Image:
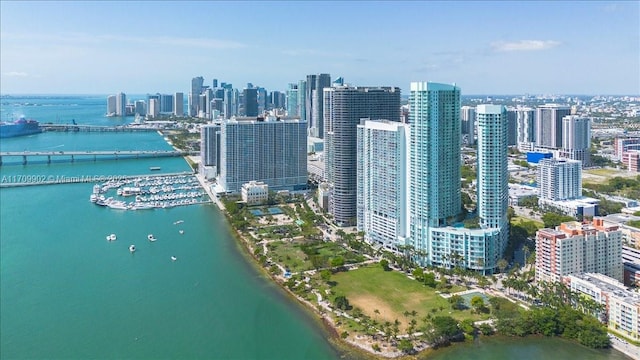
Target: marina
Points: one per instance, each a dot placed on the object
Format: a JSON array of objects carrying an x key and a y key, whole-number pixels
[{"x": 157, "y": 192}]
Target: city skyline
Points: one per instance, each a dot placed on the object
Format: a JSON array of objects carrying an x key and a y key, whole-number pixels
[{"x": 585, "y": 48}]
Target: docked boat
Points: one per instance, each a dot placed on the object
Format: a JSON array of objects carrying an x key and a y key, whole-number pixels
[
  {"x": 151, "y": 237},
  {"x": 132, "y": 248},
  {"x": 154, "y": 168},
  {"x": 111, "y": 237}
]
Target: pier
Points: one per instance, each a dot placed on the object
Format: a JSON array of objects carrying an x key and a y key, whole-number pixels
[
  {"x": 89, "y": 155},
  {"x": 93, "y": 128}
]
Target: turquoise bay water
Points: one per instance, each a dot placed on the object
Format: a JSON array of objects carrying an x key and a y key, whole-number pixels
[{"x": 67, "y": 293}]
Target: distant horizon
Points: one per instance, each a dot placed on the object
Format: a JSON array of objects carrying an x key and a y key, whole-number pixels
[{"x": 402, "y": 94}]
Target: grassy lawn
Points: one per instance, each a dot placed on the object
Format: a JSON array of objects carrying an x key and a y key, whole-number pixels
[
  {"x": 392, "y": 293},
  {"x": 289, "y": 255},
  {"x": 518, "y": 219}
]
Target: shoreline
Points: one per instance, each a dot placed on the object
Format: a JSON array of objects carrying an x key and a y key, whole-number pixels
[{"x": 361, "y": 345}]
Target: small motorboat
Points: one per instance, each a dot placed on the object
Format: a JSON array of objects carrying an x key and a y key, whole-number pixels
[
  {"x": 111, "y": 237},
  {"x": 151, "y": 237},
  {"x": 181, "y": 232},
  {"x": 132, "y": 248},
  {"x": 173, "y": 258}
]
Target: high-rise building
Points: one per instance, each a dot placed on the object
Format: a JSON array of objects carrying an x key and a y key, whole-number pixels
[
  {"x": 493, "y": 174},
  {"x": 111, "y": 105},
  {"x": 576, "y": 139},
  {"x": 262, "y": 98},
  {"x": 434, "y": 115},
  {"x": 548, "y": 125},
  {"x": 166, "y": 103},
  {"x": 154, "y": 108},
  {"x": 292, "y": 100},
  {"x": 140, "y": 108},
  {"x": 344, "y": 106},
  {"x": 302, "y": 102},
  {"x": 250, "y": 102},
  {"x": 383, "y": 182},
  {"x": 468, "y": 126},
  {"x": 559, "y": 179},
  {"x": 178, "y": 104},
  {"x": 435, "y": 203},
  {"x": 269, "y": 150},
  {"x": 121, "y": 104},
  {"x": 194, "y": 95},
  {"x": 575, "y": 247},
  {"x": 525, "y": 118},
  {"x": 512, "y": 132},
  {"x": 210, "y": 147},
  {"x": 314, "y": 103}
]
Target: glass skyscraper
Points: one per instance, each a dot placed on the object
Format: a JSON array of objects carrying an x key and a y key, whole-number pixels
[
  {"x": 435, "y": 202},
  {"x": 344, "y": 106}
]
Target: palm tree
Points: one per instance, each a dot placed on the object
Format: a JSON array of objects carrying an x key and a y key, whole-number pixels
[{"x": 502, "y": 264}]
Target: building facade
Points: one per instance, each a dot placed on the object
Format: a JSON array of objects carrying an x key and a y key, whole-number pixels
[
  {"x": 493, "y": 177},
  {"x": 121, "y": 104},
  {"x": 255, "y": 193},
  {"x": 575, "y": 247},
  {"x": 435, "y": 204},
  {"x": 468, "y": 125},
  {"x": 576, "y": 139},
  {"x": 525, "y": 137},
  {"x": 344, "y": 106},
  {"x": 548, "y": 125},
  {"x": 178, "y": 104},
  {"x": 621, "y": 306},
  {"x": 383, "y": 182},
  {"x": 269, "y": 149},
  {"x": 559, "y": 179}
]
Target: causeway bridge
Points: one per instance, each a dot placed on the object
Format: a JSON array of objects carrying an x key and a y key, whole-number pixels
[
  {"x": 93, "y": 128},
  {"x": 87, "y": 155}
]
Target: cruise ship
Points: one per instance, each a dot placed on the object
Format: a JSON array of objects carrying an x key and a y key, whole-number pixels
[{"x": 19, "y": 127}]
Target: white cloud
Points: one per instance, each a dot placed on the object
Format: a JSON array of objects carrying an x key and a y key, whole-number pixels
[
  {"x": 524, "y": 45},
  {"x": 15, "y": 74}
]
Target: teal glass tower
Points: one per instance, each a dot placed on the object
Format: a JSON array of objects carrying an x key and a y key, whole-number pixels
[
  {"x": 435, "y": 206},
  {"x": 434, "y": 115}
]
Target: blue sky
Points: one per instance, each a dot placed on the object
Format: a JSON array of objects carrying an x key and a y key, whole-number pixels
[{"x": 498, "y": 47}]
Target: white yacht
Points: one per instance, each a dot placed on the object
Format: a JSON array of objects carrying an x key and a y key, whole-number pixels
[
  {"x": 151, "y": 237},
  {"x": 111, "y": 237},
  {"x": 173, "y": 258},
  {"x": 132, "y": 248},
  {"x": 181, "y": 232}
]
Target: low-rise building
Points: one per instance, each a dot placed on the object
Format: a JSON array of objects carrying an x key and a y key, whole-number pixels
[
  {"x": 518, "y": 192},
  {"x": 621, "y": 306},
  {"x": 255, "y": 192},
  {"x": 575, "y": 247}
]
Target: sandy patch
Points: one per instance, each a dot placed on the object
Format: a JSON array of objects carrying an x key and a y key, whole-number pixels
[{"x": 369, "y": 304}]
